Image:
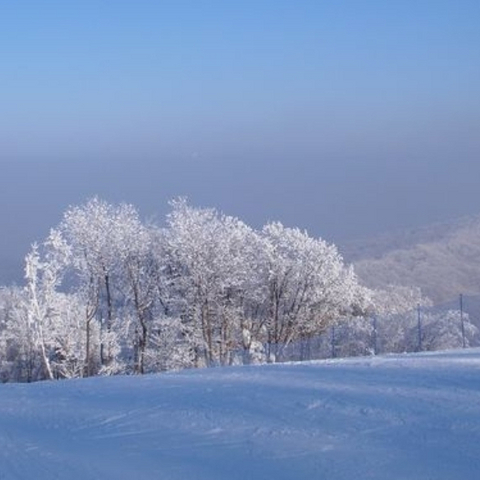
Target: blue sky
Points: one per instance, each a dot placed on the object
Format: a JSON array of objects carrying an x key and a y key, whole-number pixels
[{"x": 343, "y": 117}]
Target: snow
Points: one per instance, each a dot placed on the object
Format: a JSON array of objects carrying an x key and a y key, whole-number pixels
[{"x": 413, "y": 416}]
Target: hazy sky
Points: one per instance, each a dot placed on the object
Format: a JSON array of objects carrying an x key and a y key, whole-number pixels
[{"x": 343, "y": 117}]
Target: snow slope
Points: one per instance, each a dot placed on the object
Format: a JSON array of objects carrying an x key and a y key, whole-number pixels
[{"x": 396, "y": 417}]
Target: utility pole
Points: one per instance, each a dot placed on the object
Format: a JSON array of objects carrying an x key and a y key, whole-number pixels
[
  {"x": 333, "y": 341},
  {"x": 419, "y": 325},
  {"x": 462, "y": 322}
]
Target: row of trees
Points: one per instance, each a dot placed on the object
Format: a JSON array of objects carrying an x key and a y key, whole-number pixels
[
  {"x": 411, "y": 331},
  {"x": 107, "y": 293}
]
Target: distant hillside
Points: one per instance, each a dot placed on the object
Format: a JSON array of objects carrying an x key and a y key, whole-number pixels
[{"x": 442, "y": 259}]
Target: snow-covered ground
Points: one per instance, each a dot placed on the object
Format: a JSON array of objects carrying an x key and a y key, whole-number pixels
[{"x": 395, "y": 417}]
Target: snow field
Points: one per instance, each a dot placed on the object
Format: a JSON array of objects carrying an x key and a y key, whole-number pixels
[{"x": 393, "y": 417}]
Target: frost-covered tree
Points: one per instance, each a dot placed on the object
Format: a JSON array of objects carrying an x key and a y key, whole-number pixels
[
  {"x": 427, "y": 330},
  {"x": 397, "y": 299},
  {"x": 41, "y": 331},
  {"x": 139, "y": 286},
  {"x": 406, "y": 322},
  {"x": 308, "y": 285},
  {"x": 354, "y": 337},
  {"x": 168, "y": 348},
  {"x": 395, "y": 309},
  {"x": 443, "y": 330},
  {"x": 99, "y": 235},
  {"x": 43, "y": 275},
  {"x": 18, "y": 359},
  {"x": 210, "y": 270}
]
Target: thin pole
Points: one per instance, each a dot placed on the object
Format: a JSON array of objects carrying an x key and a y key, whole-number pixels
[
  {"x": 374, "y": 320},
  {"x": 419, "y": 325},
  {"x": 333, "y": 341},
  {"x": 462, "y": 322}
]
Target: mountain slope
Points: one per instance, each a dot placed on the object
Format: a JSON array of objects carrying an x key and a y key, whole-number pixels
[
  {"x": 442, "y": 259},
  {"x": 411, "y": 416}
]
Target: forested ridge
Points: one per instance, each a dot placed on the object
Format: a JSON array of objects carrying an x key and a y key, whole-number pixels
[{"x": 443, "y": 259}]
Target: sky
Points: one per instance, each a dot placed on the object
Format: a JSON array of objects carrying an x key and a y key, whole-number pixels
[{"x": 345, "y": 118}]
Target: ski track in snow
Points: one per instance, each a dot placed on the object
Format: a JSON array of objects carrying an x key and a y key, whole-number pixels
[{"x": 396, "y": 417}]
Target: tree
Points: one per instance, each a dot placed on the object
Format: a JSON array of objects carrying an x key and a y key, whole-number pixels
[
  {"x": 98, "y": 234},
  {"x": 395, "y": 308},
  {"x": 139, "y": 285},
  {"x": 18, "y": 359},
  {"x": 209, "y": 269},
  {"x": 43, "y": 275},
  {"x": 308, "y": 286}
]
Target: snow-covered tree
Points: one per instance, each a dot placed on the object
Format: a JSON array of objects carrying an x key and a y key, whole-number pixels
[
  {"x": 308, "y": 285},
  {"x": 18, "y": 359},
  {"x": 43, "y": 275},
  {"x": 209, "y": 270},
  {"x": 98, "y": 234},
  {"x": 139, "y": 285},
  {"x": 395, "y": 309}
]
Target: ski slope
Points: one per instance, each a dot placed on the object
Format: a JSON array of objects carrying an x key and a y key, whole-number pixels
[{"x": 396, "y": 417}]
